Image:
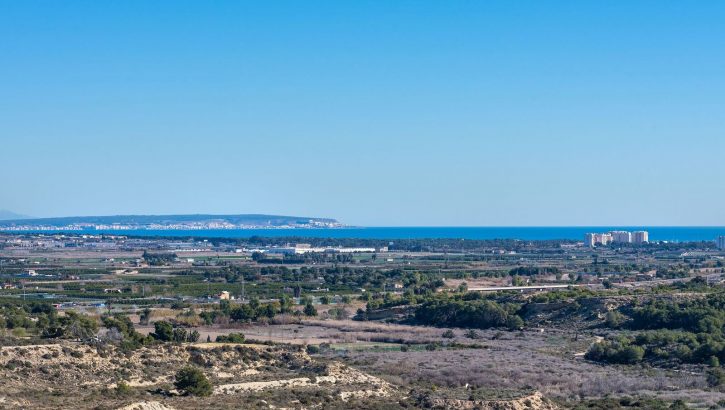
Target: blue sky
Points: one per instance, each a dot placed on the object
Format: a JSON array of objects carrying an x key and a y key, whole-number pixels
[{"x": 375, "y": 113}]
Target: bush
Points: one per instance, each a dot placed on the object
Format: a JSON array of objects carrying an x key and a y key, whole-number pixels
[
  {"x": 123, "y": 389},
  {"x": 618, "y": 351},
  {"x": 715, "y": 377},
  {"x": 163, "y": 331},
  {"x": 230, "y": 338},
  {"x": 472, "y": 334},
  {"x": 479, "y": 314},
  {"x": 614, "y": 319},
  {"x": 448, "y": 334},
  {"x": 193, "y": 381},
  {"x": 514, "y": 322},
  {"x": 310, "y": 310}
]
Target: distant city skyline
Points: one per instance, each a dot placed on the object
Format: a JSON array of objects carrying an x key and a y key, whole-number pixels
[{"x": 373, "y": 113}]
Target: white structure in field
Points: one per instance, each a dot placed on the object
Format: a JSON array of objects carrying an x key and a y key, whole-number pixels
[
  {"x": 593, "y": 239},
  {"x": 640, "y": 237},
  {"x": 721, "y": 242}
]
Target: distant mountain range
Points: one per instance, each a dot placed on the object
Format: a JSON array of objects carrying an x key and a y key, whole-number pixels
[
  {"x": 161, "y": 222},
  {"x": 8, "y": 215}
]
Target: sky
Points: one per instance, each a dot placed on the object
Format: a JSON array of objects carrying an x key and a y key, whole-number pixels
[{"x": 377, "y": 113}]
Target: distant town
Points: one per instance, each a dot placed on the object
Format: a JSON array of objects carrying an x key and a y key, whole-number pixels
[
  {"x": 593, "y": 239},
  {"x": 167, "y": 222}
]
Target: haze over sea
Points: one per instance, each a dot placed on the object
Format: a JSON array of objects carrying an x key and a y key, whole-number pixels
[{"x": 658, "y": 233}]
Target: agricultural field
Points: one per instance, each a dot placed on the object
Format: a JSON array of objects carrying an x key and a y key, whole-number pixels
[{"x": 497, "y": 325}]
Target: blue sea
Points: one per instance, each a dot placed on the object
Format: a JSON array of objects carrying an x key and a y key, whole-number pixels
[{"x": 658, "y": 233}]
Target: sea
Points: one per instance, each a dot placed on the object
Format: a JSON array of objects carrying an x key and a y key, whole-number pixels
[{"x": 656, "y": 233}]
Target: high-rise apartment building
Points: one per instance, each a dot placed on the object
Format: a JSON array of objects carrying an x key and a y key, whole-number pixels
[
  {"x": 592, "y": 239},
  {"x": 640, "y": 237},
  {"x": 621, "y": 236}
]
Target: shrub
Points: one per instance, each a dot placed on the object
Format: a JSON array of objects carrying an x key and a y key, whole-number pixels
[
  {"x": 472, "y": 334},
  {"x": 163, "y": 331},
  {"x": 715, "y": 377},
  {"x": 123, "y": 389},
  {"x": 614, "y": 319},
  {"x": 193, "y": 381},
  {"x": 514, "y": 322},
  {"x": 618, "y": 351},
  {"x": 230, "y": 338},
  {"x": 310, "y": 310}
]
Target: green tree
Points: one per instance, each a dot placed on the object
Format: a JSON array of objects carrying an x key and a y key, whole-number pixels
[
  {"x": 310, "y": 310},
  {"x": 163, "y": 331},
  {"x": 254, "y": 303},
  {"x": 243, "y": 313},
  {"x": 180, "y": 335},
  {"x": 614, "y": 319},
  {"x": 145, "y": 316},
  {"x": 514, "y": 322},
  {"x": 285, "y": 304},
  {"x": 193, "y": 381}
]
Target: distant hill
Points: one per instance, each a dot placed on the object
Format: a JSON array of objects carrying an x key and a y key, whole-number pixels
[
  {"x": 197, "y": 221},
  {"x": 8, "y": 215}
]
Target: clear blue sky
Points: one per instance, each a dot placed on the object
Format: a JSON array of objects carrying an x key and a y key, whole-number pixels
[{"x": 375, "y": 113}]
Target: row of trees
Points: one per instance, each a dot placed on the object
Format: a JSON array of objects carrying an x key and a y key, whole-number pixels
[{"x": 479, "y": 314}]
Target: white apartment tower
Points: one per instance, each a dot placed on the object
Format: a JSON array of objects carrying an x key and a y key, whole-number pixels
[
  {"x": 592, "y": 239},
  {"x": 640, "y": 237},
  {"x": 621, "y": 236},
  {"x": 721, "y": 242}
]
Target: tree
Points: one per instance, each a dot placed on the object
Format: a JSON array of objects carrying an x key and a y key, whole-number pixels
[
  {"x": 268, "y": 310},
  {"x": 230, "y": 338},
  {"x": 325, "y": 300},
  {"x": 163, "y": 331},
  {"x": 514, "y": 322},
  {"x": 631, "y": 354},
  {"x": 254, "y": 303},
  {"x": 285, "y": 304},
  {"x": 242, "y": 313},
  {"x": 225, "y": 306},
  {"x": 145, "y": 316},
  {"x": 310, "y": 310},
  {"x": 179, "y": 335},
  {"x": 193, "y": 381},
  {"x": 614, "y": 319}
]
